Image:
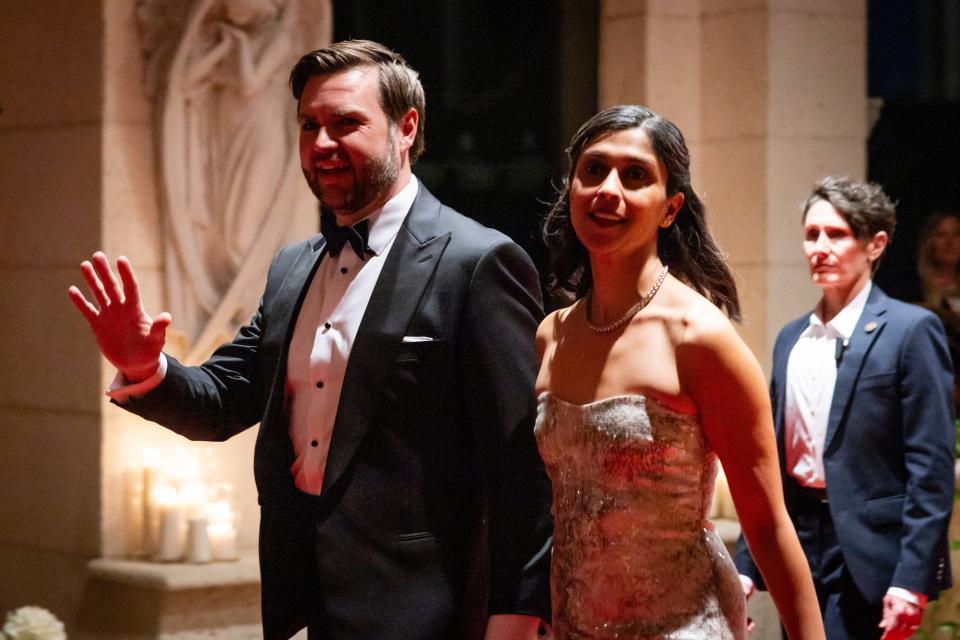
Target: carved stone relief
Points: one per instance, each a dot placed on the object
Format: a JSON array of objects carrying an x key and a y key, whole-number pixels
[{"x": 231, "y": 187}]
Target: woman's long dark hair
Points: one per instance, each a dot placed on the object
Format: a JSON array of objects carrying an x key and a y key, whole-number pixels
[{"x": 686, "y": 246}]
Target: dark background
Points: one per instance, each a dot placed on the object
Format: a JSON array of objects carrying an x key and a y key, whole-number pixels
[
  {"x": 914, "y": 148},
  {"x": 508, "y": 83}
]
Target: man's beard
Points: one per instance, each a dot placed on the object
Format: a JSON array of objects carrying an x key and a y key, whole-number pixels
[{"x": 372, "y": 178}]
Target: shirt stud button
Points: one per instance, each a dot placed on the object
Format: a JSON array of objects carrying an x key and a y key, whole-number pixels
[
  {"x": 327, "y": 325},
  {"x": 319, "y": 384},
  {"x": 343, "y": 269},
  {"x": 314, "y": 443}
]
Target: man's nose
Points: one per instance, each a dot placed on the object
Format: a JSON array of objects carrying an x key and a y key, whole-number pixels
[{"x": 323, "y": 141}]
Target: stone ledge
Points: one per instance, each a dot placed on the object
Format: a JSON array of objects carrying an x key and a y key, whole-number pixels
[{"x": 177, "y": 576}]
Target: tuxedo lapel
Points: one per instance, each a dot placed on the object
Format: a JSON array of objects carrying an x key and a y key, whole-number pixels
[
  {"x": 409, "y": 267},
  {"x": 868, "y": 330},
  {"x": 286, "y": 307}
]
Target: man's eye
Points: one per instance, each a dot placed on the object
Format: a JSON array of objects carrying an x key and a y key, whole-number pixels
[
  {"x": 308, "y": 126},
  {"x": 348, "y": 122},
  {"x": 636, "y": 173}
]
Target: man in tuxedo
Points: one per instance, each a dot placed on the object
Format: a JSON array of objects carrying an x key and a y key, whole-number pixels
[
  {"x": 390, "y": 365},
  {"x": 862, "y": 399}
]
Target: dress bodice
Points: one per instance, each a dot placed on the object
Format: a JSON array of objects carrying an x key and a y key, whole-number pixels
[{"x": 634, "y": 556}]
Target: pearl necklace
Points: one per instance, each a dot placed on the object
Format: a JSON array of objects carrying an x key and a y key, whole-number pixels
[{"x": 632, "y": 311}]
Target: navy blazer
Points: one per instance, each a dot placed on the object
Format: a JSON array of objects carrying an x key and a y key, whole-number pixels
[
  {"x": 889, "y": 448},
  {"x": 435, "y": 505}
]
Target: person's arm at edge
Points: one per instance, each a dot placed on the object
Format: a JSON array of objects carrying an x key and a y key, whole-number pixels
[
  {"x": 503, "y": 310},
  {"x": 926, "y": 388},
  {"x": 726, "y": 382}
]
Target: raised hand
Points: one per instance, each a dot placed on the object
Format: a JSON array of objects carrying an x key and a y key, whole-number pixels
[{"x": 129, "y": 338}]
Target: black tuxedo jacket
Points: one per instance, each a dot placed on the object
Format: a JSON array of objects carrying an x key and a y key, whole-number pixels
[
  {"x": 889, "y": 448},
  {"x": 435, "y": 506}
]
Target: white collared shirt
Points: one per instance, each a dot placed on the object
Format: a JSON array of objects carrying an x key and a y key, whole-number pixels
[
  {"x": 811, "y": 378},
  {"x": 323, "y": 337}
]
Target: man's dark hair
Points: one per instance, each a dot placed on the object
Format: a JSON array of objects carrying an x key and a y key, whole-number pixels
[{"x": 400, "y": 88}]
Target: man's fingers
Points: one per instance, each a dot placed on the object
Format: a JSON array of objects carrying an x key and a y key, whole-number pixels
[
  {"x": 131, "y": 288},
  {"x": 158, "y": 330},
  {"x": 110, "y": 284},
  {"x": 82, "y": 304},
  {"x": 93, "y": 283}
]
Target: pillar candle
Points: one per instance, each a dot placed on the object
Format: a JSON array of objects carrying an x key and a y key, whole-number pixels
[
  {"x": 223, "y": 541},
  {"x": 151, "y": 463},
  {"x": 198, "y": 541},
  {"x": 134, "y": 512},
  {"x": 169, "y": 546}
]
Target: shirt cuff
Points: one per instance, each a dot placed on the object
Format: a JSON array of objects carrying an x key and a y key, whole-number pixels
[
  {"x": 747, "y": 583},
  {"x": 120, "y": 390},
  {"x": 919, "y": 599}
]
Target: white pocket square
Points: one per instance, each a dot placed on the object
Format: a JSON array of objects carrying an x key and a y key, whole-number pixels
[{"x": 418, "y": 339}]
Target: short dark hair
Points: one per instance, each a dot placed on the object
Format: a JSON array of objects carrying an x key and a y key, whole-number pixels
[
  {"x": 864, "y": 205},
  {"x": 686, "y": 246},
  {"x": 400, "y": 88}
]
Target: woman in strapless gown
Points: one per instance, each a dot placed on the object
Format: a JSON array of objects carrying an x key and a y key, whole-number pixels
[{"x": 643, "y": 384}]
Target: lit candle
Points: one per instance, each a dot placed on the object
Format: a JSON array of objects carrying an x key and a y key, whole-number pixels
[
  {"x": 223, "y": 541},
  {"x": 198, "y": 541},
  {"x": 223, "y": 531},
  {"x": 169, "y": 548},
  {"x": 151, "y": 464},
  {"x": 134, "y": 513},
  {"x": 193, "y": 495}
]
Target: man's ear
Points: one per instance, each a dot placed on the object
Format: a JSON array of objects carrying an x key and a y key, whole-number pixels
[{"x": 407, "y": 130}]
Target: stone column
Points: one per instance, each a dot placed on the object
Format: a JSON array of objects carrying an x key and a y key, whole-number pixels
[
  {"x": 51, "y": 164},
  {"x": 771, "y": 95},
  {"x": 784, "y": 103}
]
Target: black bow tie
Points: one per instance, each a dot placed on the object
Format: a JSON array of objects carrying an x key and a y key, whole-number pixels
[{"x": 337, "y": 236}]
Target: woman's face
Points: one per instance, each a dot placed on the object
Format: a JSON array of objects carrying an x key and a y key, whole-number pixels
[
  {"x": 945, "y": 242},
  {"x": 836, "y": 257},
  {"x": 618, "y": 194}
]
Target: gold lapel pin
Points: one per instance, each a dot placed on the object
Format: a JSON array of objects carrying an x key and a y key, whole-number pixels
[{"x": 870, "y": 326}]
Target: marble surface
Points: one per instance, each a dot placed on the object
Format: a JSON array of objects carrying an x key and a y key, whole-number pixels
[{"x": 177, "y": 576}]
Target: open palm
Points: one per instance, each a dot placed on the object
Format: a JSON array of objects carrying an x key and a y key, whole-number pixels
[{"x": 129, "y": 338}]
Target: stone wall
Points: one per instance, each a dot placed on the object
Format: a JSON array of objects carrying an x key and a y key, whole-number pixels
[{"x": 51, "y": 159}]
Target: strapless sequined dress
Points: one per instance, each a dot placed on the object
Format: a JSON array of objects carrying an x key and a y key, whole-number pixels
[{"x": 633, "y": 553}]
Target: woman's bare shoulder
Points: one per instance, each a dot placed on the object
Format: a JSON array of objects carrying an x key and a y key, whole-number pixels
[
  {"x": 695, "y": 321},
  {"x": 707, "y": 325},
  {"x": 553, "y": 324}
]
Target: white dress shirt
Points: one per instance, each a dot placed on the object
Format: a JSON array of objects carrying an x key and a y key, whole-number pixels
[
  {"x": 811, "y": 378},
  {"x": 323, "y": 337}
]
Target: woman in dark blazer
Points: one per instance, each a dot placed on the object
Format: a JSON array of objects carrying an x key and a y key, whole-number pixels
[{"x": 862, "y": 400}]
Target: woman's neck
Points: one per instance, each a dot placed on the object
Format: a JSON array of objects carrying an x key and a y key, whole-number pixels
[
  {"x": 836, "y": 298},
  {"x": 618, "y": 285}
]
